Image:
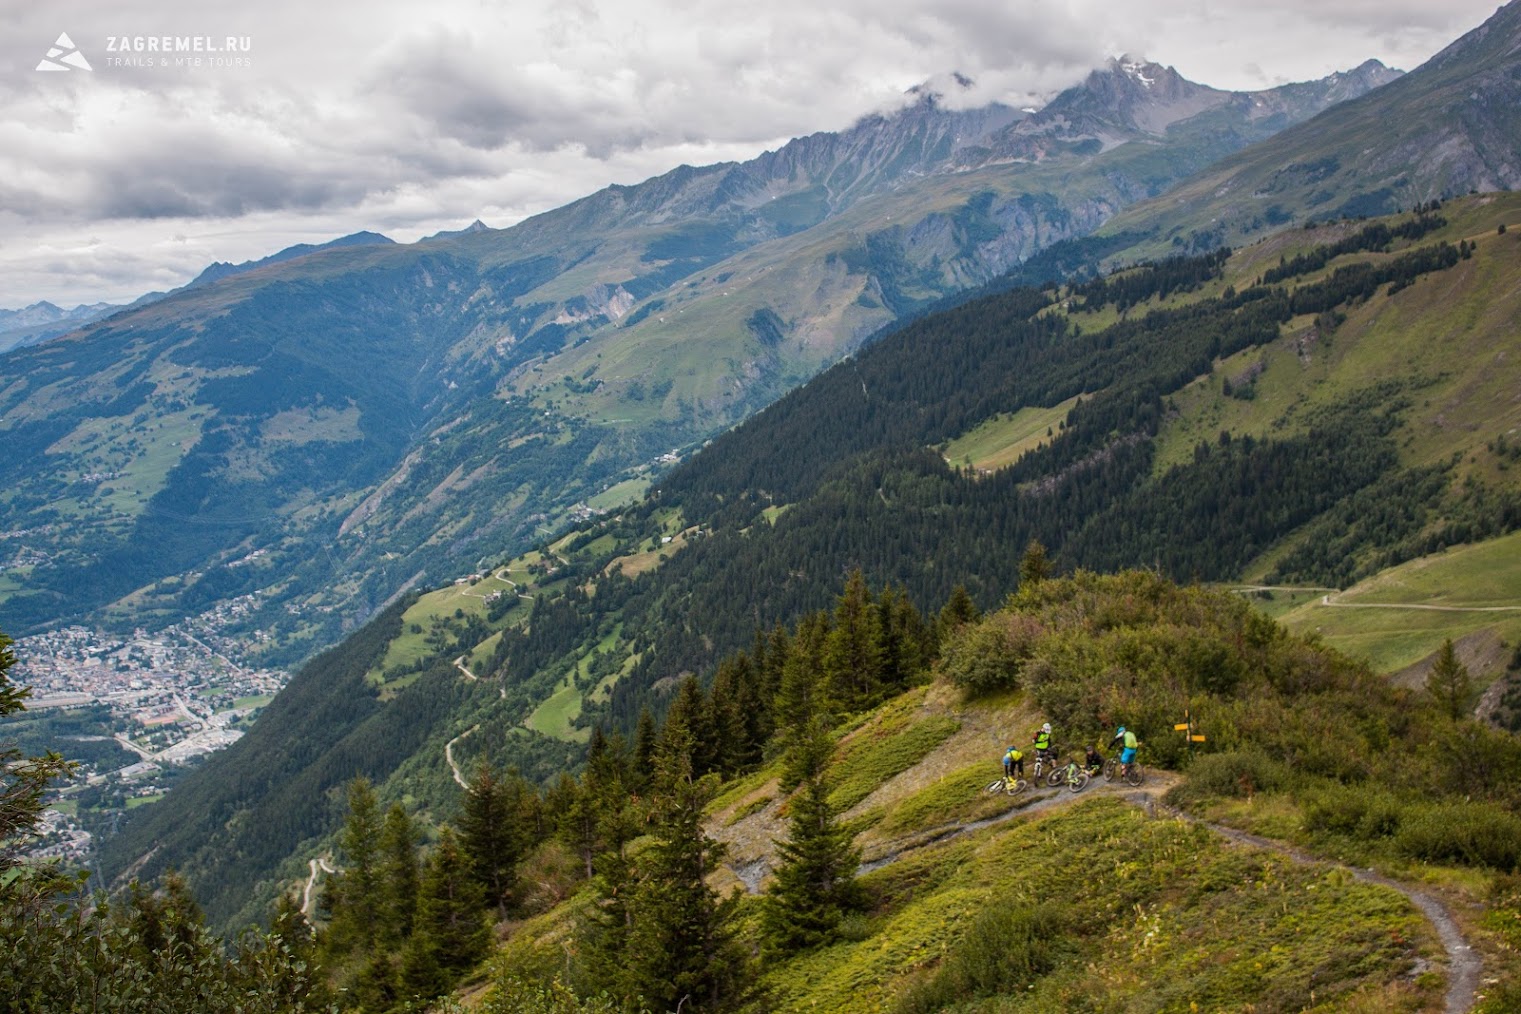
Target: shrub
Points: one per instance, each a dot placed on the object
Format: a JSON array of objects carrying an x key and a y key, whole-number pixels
[
  {"x": 1010, "y": 944},
  {"x": 1363, "y": 812},
  {"x": 1235, "y": 774},
  {"x": 1476, "y": 834},
  {"x": 984, "y": 657}
]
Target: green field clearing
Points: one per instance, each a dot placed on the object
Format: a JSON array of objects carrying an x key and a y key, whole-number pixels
[
  {"x": 137, "y": 801},
  {"x": 626, "y": 492},
  {"x": 256, "y": 701},
  {"x": 553, "y": 717},
  {"x": 480, "y": 655},
  {"x": 1466, "y": 580},
  {"x": 1001, "y": 440},
  {"x": 772, "y": 513},
  {"x": 412, "y": 645}
]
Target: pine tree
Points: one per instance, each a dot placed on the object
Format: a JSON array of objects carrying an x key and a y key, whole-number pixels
[
  {"x": 958, "y": 611},
  {"x": 801, "y": 693},
  {"x": 730, "y": 704},
  {"x": 646, "y": 739},
  {"x": 451, "y": 934},
  {"x": 908, "y": 643},
  {"x": 357, "y": 902},
  {"x": 575, "y": 817},
  {"x": 691, "y": 714},
  {"x": 1035, "y": 566},
  {"x": 1449, "y": 684},
  {"x": 398, "y": 874},
  {"x": 488, "y": 833},
  {"x": 853, "y": 650},
  {"x": 682, "y": 948},
  {"x": 815, "y": 884},
  {"x": 24, "y": 782},
  {"x": 807, "y": 753}
]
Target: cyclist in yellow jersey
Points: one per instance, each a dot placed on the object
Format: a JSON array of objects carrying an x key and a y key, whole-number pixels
[{"x": 1013, "y": 760}]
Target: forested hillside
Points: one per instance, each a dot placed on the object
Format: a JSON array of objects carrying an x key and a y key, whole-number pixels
[
  {"x": 1198, "y": 419},
  {"x": 816, "y": 830}
]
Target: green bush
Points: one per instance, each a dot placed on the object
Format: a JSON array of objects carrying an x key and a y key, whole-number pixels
[
  {"x": 1472, "y": 833},
  {"x": 1236, "y": 773},
  {"x": 1363, "y": 812},
  {"x": 1009, "y": 946},
  {"x": 984, "y": 657}
]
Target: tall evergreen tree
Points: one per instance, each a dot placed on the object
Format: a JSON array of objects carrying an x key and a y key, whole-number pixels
[
  {"x": 1449, "y": 683},
  {"x": 24, "y": 782},
  {"x": 815, "y": 884},
  {"x": 646, "y": 740},
  {"x": 398, "y": 873},
  {"x": 802, "y": 694},
  {"x": 1035, "y": 565},
  {"x": 853, "y": 650},
  {"x": 357, "y": 905},
  {"x": 958, "y": 611},
  {"x": 691, "y": 716},
  {"x": 729, "y": 704},
  {"x": 451, "y": 934},
  {"x": 683, "y": 949},
  {"x": 488, "y": 833}
]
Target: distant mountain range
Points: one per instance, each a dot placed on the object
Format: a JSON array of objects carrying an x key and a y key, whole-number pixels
[
  {"x": 1452, "y": 127},
  {"x": 221, "y": 269},
  {"x": 43, "y": 320},
  {"x": 373, "y": 414}
]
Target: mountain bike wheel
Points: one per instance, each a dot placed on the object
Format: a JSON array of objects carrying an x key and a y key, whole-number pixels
[
  {"x": 1135, "y": 775},
  {"x": 1017, "y": 786},
  {"x": 1056, "y": 777},
  {"x": 1078, "y": 782},
  {"x": 995, "y": 787},
  {"x": 1111, "y": 766}
]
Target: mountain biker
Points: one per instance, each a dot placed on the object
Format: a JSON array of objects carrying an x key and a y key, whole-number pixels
[
  {"x": 1093, "y": 761},
  {"x": 1042, "y": 741},
  {"x": 1127, "y": 755},
  {"x": 1013, "y": 760}
]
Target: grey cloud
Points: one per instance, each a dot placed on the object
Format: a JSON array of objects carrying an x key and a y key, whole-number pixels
[{"x": 368, "y": 114}]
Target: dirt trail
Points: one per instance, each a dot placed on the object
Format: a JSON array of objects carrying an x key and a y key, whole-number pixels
[
  {"x": 449, "y": 756},
  {"x": 311, "y": 882},
  {"x": 1463, "y": 964},
  {"x": 1325, "y": 600}
]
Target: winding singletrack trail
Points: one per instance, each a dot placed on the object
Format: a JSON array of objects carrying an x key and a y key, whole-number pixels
[{"x": 1464, "y": 967}]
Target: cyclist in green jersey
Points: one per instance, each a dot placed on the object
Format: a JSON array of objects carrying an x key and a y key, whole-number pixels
[
  {"x": 1042, "y": 741},
  {"x": 1131, "y": 744}
]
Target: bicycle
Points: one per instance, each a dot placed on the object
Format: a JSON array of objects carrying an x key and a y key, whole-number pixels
[
  {"x": 1135, "y": 774},
  {"x": 1008, "y": 785},
  {"x": 1073, "y": 776},
  {"x": 1046, "y": 767}
]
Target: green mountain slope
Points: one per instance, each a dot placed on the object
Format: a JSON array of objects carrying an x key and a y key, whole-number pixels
[
  {"x": 1154, "y": 462},
  {"x": 415, "y": 410},
  {"x": 1145, "y": 897}
]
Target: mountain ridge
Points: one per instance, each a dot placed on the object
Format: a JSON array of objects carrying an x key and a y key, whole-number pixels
[{"x": 549, "y": 361}]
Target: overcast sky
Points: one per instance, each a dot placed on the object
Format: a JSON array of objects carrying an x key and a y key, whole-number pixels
[{"x": 410, "y": 117}]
